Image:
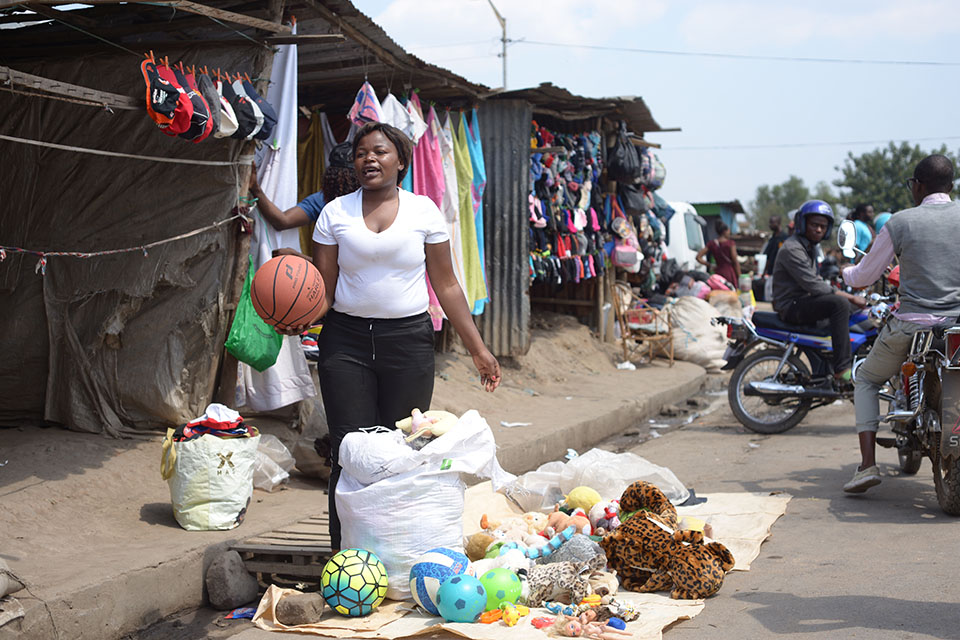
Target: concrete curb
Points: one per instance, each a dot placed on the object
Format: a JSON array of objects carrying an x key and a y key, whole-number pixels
[{"x": 133, "y": 600}]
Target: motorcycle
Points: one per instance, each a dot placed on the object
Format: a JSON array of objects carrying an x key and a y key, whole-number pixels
[
  {"x": 927, "y": 398},
  {"x": 771, "y": 389}
]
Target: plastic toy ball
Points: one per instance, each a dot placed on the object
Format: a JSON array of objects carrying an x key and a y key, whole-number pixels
[
  {"x": 354, "y": 582},
  {"x": 461, "y": 599},
  {"x": 429, "y": 572},
  {"x": 502, "y": 585}
]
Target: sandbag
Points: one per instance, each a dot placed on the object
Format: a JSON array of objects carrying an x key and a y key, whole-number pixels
[
  {"x": 695, "y": 339},
  {"x": 400, "y": 503}
]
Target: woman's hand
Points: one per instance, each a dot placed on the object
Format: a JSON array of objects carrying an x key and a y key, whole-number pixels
[
  {"x": 489, "y": 369},
  {"x": 292, "y": 331}
]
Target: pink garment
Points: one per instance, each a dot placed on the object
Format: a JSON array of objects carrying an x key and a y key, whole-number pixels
[{"x": 428, "y": 181}]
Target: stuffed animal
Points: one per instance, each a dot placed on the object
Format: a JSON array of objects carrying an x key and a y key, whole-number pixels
[
  {"x": 477, "y": 545},
  {"x": 580, "y": 548},
  {"x": 582, "y": 498},
  {"x": 542, "y": 550},
  {"x": 558, "y": 521},
  {"x": 566, "y": 581},
  {"x": 513, "y": 559},
  {"x": 604, "y": 583},
  {"x": 605, "y": 515},
  {"x": 649, "y": 556},
  {"x": 536, "y": 521},
  {"x": 429, "y": 423}
]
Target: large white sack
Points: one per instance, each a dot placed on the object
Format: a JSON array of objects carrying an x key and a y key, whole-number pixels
[
  {"x": 694, "y": 338},
  {"x": 400, "y": 503}
]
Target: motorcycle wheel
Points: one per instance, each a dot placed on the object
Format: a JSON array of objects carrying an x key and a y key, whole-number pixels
[
  {"x": 765, "y": 415},
  {"x": 946, "y": 480}
]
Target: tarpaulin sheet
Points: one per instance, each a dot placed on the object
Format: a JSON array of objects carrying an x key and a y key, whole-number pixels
[{"x": 124, "y": 342}]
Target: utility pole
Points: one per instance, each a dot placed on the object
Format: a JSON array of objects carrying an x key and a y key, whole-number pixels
[{"x": 503, "y": 40}]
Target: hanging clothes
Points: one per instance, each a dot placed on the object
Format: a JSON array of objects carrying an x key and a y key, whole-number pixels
[
  {"x": 476, "y": 191},
  {"x": 473, "y": 268},
  {"x": 330, "y": 139},
  {"x": 288, "y": 381},
  {"x": 428, "y": 181},
  {"x": 451, "y": 201},
  {"x": 418, "y": 128},
  {"x": 366, "y": 108},
  {"x": 311, "y": 162}
]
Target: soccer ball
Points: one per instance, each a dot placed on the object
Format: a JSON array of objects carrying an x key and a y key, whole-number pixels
[
  {"x": 502, "y": 585},
  {"x": 354, "y": 582},
  {"x": 429, "y": 572},
  {"x": 461, "y": 599}
]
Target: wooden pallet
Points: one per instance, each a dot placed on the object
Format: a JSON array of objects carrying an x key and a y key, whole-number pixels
[{"x": 299, "y": 550}]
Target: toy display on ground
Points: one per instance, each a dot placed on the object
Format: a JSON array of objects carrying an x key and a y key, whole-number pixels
[{"x": 544, "y": 572}]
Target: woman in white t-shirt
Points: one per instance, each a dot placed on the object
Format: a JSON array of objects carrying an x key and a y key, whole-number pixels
[{"x": 374, "y": 249}]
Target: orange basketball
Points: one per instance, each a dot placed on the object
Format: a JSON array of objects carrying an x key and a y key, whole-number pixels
[{"x": 287, "y": 291}]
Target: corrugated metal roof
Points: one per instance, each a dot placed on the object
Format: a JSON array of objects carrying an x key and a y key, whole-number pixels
[{"x": 560, "y": 103}]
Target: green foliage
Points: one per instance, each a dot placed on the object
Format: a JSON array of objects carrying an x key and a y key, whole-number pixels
[
  {"x": 879, "y": 177},
  {"x": 778, "y": 199}
]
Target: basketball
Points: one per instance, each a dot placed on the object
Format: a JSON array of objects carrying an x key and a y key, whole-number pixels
[{"x": 287, "y": 291}]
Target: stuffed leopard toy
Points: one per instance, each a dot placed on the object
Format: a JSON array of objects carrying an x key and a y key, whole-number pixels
[
  {"x": 650, "y": 557},
  {"x": 567, "y": 581}
]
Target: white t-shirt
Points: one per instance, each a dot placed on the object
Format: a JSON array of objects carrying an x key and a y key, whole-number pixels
[{"x": 382, "y": 275}]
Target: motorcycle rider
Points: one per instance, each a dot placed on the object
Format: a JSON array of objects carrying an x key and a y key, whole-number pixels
[
  {"x": 801, "y": 296},
  {"x": 925, "y": 238}
]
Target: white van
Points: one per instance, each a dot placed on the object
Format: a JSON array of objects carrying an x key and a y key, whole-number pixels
[{"x": 685, "y": 235}]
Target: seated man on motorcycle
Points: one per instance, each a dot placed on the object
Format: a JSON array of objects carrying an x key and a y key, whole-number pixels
[
  {"x": 925, "y": 238},
  {"x": 801, "y": 296}
]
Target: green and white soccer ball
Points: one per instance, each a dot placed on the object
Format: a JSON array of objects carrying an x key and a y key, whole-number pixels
[{"x": 354, "y": 582}]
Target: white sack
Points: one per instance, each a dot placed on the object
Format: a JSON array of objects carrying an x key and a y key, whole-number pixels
[
  {"x": 400, "y": 503},
  {"x": 694, "y": 338}
]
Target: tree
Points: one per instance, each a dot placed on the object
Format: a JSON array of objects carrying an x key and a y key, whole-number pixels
[
  {"x": 780, "y": 198},
  {"x": 879, "y": 177}
]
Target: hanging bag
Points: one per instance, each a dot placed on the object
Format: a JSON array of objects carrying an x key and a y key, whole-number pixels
[
  {"x": 623, "y": 162},
  {"x": 251, "y": 340}
]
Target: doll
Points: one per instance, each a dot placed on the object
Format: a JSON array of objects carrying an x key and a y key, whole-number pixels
[{"x": 570, "y": 627}]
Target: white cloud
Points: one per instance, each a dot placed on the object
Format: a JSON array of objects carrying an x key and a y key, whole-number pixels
[{"x": 743, "y": 23}]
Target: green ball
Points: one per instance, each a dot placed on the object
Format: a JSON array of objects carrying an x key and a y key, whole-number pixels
[{"x": 502, "y": 585}]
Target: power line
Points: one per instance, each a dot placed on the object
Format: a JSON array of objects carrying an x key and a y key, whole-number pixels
[
  {"x": 736, "y": 56},
  {"x": 795, "y": 145}
]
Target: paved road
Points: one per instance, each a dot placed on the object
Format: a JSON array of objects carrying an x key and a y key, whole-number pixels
[{"x": 881, "y": 566}]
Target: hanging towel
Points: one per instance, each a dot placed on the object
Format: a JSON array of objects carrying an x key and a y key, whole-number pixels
[
  {"x": 288, "y": 381},
  {"x": 473, "y": 269},
  {"x": 477, "y": 188},
  {"x": 366, "y": 108},
  {"x": 451, "y": 202}
]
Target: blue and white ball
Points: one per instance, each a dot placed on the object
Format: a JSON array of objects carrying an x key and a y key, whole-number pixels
[{"x": 430, "y": 571}]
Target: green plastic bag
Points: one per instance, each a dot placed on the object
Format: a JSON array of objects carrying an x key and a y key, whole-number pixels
[{"x": 251, "y": 340}]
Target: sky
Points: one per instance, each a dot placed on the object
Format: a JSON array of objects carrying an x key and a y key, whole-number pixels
[{"x": 744, "y": 122}]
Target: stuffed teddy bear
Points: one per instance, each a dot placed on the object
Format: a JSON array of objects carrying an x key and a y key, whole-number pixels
[
  {"x": 513, "y": 559},
  {"x": 558, "y": 521},
  {"x": 428, "y": 423},
  {"x": 536, "y": 521},
  {"x": 477, "y": 545},
  {"x": 649, "y": 556}
]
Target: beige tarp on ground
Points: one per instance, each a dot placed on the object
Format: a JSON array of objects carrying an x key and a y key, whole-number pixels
[{"x": 741, "y": 521}]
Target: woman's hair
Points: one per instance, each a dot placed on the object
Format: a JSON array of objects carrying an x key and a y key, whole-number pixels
[
  {"x": 721, "y": 227},
  {"x": 398, "y": 138},
  {"x": 339, "y": 181}
]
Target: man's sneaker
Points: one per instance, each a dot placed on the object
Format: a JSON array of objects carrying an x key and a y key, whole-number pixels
[{"x": 863, "y": 479}]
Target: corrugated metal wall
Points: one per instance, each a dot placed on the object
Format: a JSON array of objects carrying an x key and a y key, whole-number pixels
[{"x": 505, "y": 134}]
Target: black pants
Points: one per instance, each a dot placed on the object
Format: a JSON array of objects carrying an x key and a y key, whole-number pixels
[
  {"x": 812, "y": 309},
  {"x": 372, "y": 372}
]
